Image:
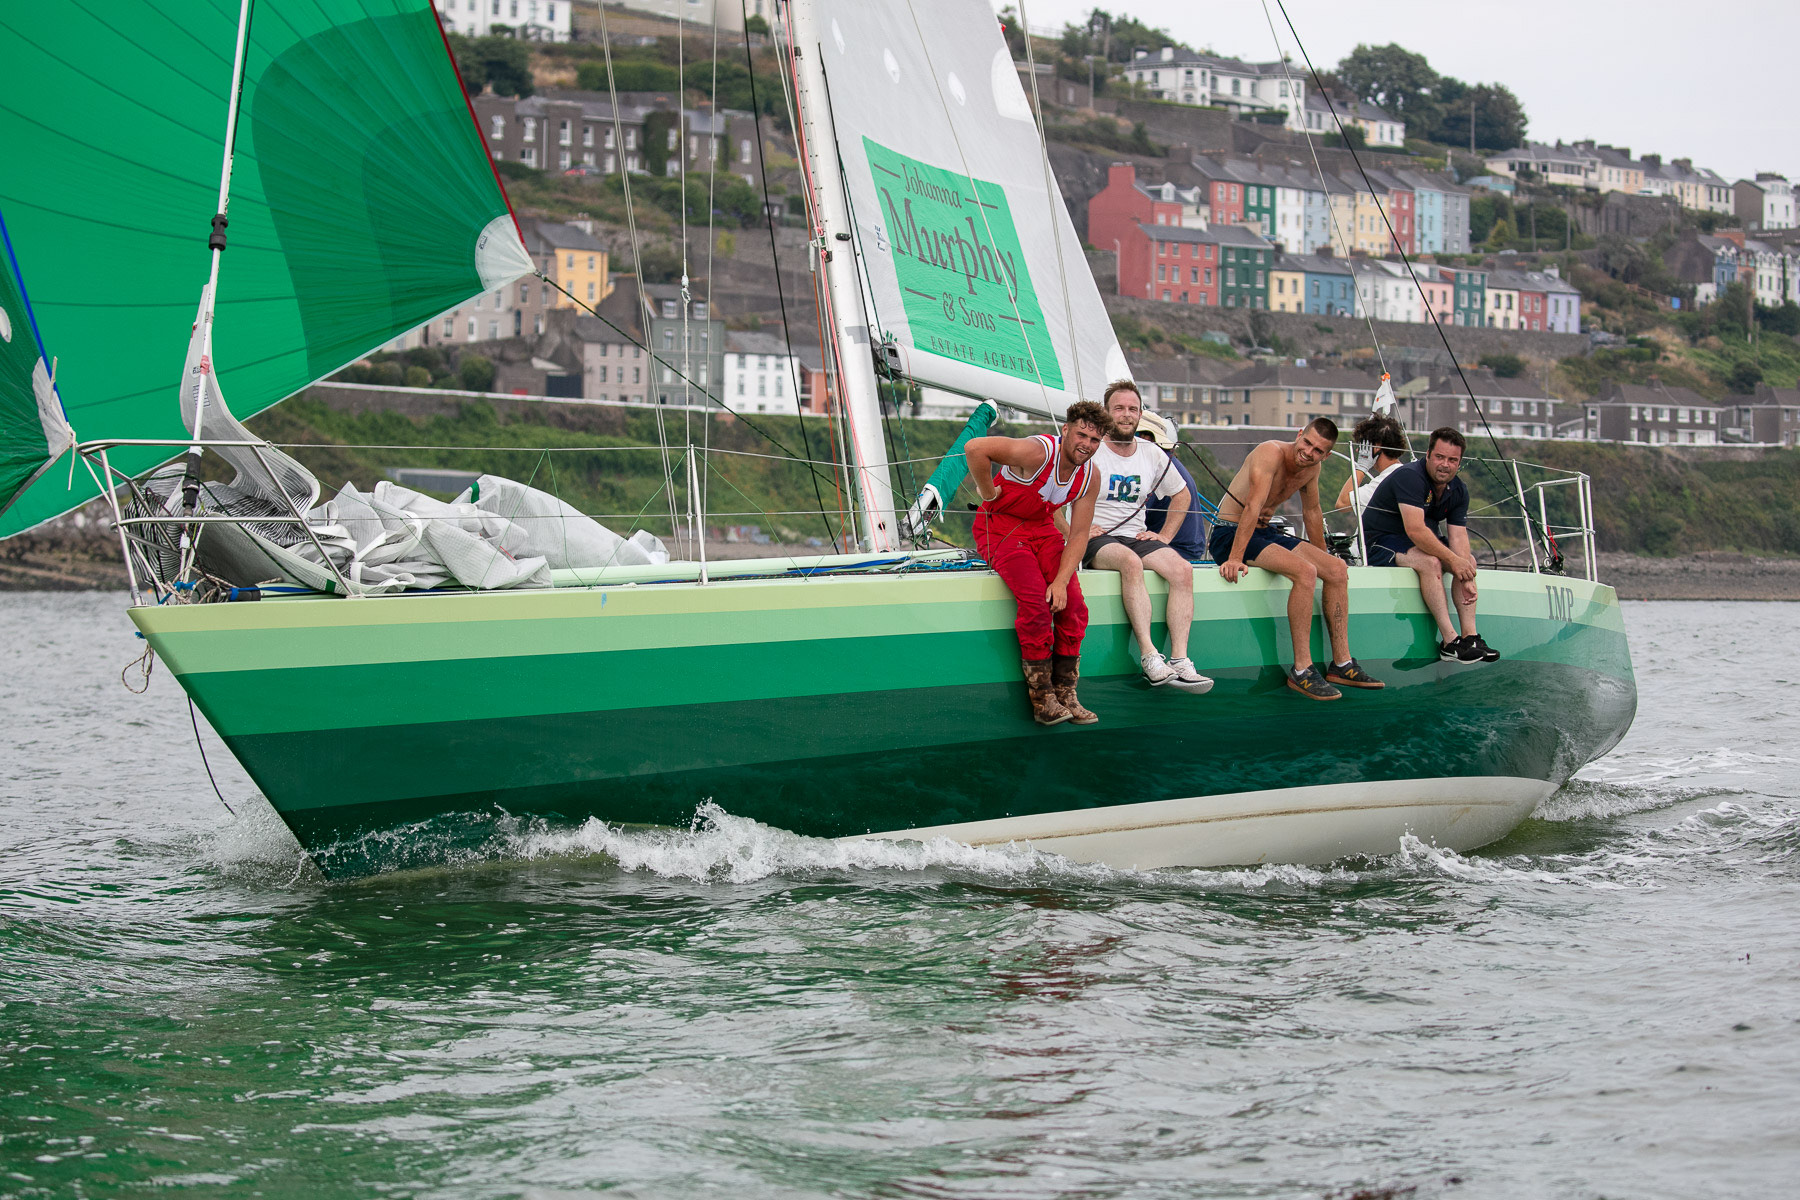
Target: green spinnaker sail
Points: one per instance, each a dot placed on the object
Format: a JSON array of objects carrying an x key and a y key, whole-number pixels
[
  {"x": 32, "y": 430},
  {"x": 362, "y": 200}
]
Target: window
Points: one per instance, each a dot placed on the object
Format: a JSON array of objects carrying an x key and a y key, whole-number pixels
[
  {"x": 450, "y": 326},
  {"x": 563, "y": 132},
  {"x": 471, "y": 329},
  {"x": 587, "y": 136},
  {"x": 1161, "y": 273},
  {"x": 1194, "y": 274},
  {"x": 564, "y": 161},
  {"x": 530, "y": 133},
  {"x": 590, "y": 292},
  {"x": 499, "y": 127},
  {"x": 602, "y": 373}
]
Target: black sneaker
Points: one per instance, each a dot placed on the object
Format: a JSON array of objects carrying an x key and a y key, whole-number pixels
[
  {"x": 1312, "y": 685},
  {"x": 1450, "y": 651},
  {"x": 1351, "y": 674},
  {"x": 1486, "y": 652}
]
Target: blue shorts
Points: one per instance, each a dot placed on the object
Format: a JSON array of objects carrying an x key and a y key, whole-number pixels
[
  {"x": 1383, "y": 547},
  {"x": 1218, "y": 544}
]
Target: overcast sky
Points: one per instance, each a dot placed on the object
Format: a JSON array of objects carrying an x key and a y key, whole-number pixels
[{"x": 1714, "y": 82}]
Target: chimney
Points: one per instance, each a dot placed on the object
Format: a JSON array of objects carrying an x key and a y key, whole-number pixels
[
  {"x": 1168, "y": 54},
  {"x": 1122, "y": 175},
  {"x": 1652, "y": 162},
  {"x": 1137, "y": 54}
]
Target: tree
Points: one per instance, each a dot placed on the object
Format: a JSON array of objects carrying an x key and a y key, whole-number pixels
[
  {"x": 1744, "y": 378},
  {"x": 497, "y": 62},
  {"x": 1500, "y": 121},
  {"x": 630, "y": 76},
  {"x": 1486, "y": 209},
  {"x": 476, "y": 373},
  {"x": 1013, "y": 31},
  {"x": 1504, "y": 366},
  {"x": 1395, "y": 78},
  {"x": 754, "y": 23},
  {"x": 1504, "y": 235}
]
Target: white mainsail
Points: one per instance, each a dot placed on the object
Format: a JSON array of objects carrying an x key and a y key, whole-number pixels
[{"x": 975, "y": 276}]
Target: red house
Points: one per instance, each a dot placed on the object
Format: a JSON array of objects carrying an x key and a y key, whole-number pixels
[
  {"x": 1122, "y": 206},
  {"x": 1400, "y": 209}
]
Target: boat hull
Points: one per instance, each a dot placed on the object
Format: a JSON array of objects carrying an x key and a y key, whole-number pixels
[{"x": 892, "y": 705}]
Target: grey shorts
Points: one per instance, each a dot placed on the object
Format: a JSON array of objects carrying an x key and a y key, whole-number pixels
[{"x": 1142, "y": 547}]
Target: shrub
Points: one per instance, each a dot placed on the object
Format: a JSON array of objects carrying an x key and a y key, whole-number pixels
[
  {"x": 476, "y": 373},
  {"x": 1504, "y": 366}
]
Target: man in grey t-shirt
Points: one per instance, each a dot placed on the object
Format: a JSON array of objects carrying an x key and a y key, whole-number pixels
[{"x": 1130, "y": 471}]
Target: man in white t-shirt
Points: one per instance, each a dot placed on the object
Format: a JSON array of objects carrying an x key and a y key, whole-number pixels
[
  {"x": 1130, "y": 471},
  {"x": 1382, "y": 439}
]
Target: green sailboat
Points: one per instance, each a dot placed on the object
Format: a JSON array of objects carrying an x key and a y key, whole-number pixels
[{"x": 866, "y": 694}]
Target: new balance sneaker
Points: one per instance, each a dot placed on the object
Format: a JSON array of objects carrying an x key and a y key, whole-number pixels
[
  {"x": 1312, "y": 685},
  {"x": 1487, "y": 653},
  {"x": 1351, "y": 674},
  {"x": 1188, "y": 679},
  {"x": 1157, "y": 669}
]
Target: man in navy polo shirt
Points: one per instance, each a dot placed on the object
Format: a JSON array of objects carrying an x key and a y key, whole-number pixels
[{"x": 1401, "y": 524}]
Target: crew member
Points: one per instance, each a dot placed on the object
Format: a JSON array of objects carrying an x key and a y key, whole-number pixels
[
  {"x": 1023, "y": 482},
  {"x": 1242, "y": 538}
]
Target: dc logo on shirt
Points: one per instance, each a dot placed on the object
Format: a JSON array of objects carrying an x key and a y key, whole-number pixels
[{"x": 1123, "y": 488}]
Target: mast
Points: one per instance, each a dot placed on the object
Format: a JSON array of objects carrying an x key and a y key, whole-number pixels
[{"x": 836, "y": 242}]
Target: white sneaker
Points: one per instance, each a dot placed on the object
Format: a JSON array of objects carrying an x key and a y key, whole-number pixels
[
  {"x": 1157, "y": 669},
  {"x": 1188, "y": 679}
]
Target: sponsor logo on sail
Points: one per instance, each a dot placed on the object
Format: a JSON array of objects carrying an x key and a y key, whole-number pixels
[{"x": 956, "y": 254}]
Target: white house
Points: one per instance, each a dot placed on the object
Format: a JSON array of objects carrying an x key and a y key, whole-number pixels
[
  {"x": 760, "y": 374},
  {"x": 1765, "y": 203},
  {"x": 533, "y": 20},
  {"x": 1385, "y": 291},
  {"x": 1208, "y": 80}
]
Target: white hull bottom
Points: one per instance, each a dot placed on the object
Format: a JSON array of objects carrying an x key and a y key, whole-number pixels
[{"x": 1314, "y": 824}]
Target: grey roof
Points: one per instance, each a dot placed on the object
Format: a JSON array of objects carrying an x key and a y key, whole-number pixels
[
  {"x": 1198, "y": 369},
  {"x": 751, "y": 342},
  {"x": 1313, "y": 264},
  {"x": 1650, "y": 393},
  {"x": 1222, "y": 235},
  {"x": 1287, "y": 375},
  {"x": 554, "y": 235},
  {"x": 1485, "y": 385}
]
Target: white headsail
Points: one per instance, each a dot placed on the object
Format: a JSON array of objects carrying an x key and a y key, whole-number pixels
[{"x": 975, "y": 275}]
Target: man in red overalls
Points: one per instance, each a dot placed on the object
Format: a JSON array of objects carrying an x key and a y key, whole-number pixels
[{"x": 1023, "y": 482}]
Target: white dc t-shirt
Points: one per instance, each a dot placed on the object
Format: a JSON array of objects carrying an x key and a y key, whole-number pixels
[{"x": 1124, "y": 483}]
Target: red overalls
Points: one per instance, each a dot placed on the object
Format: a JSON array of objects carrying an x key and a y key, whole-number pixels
[{"x": 1015, "y": 533}]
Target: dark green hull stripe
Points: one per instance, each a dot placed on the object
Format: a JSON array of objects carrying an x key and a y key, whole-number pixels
[{"x": 970, "y": 754}]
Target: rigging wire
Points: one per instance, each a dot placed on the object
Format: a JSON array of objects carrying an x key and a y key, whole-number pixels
[
  {"x": 661, "y": 361},
  {"x": 1051, "y": 194},
  {"x": 1313, "y": 149},
  {"x": 787, "y": 336},
  {"x": 637, "y": 255},
  {"x": 199, "y": 745},
  {"x": 824, "y": 307},
  {"x": 1406, "y": 260},
  {"x": 969, "y": 174}
]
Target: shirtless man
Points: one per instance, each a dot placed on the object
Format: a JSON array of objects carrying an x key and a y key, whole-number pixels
[{"x": 1274, "y": 471}]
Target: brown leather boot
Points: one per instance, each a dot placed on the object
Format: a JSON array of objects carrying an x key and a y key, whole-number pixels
[
  {"x": 1065, "y": 673},
  {"x": 1046, "y": 709}
]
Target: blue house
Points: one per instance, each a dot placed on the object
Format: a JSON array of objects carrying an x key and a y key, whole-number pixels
[{"x": 1330, "y": 288}]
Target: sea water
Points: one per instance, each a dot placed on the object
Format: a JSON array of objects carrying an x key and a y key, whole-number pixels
[{"x": 1605, "y": 1004}]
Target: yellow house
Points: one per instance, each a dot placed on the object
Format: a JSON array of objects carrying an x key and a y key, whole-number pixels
[
  {"x": 1287, "y": 290},
  {"x": 574, "y": 259},
  {"x": 1370, "y": 229},
  {"x": 1342, "y": 215}
]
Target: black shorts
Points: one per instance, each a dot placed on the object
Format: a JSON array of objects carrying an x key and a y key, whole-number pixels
[
  {"x": 1143, "y": 547},
  {"x": 1385, "y": 547},
  {"x": 1261, "y": 538}
]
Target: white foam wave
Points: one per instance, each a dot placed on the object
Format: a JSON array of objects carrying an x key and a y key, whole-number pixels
[
  {"x": 723, "y": 848},
  {"x": 255, "y": 843}
]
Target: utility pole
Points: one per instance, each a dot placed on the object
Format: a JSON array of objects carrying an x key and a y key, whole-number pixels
[{"x": 1471, "y": 122}]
